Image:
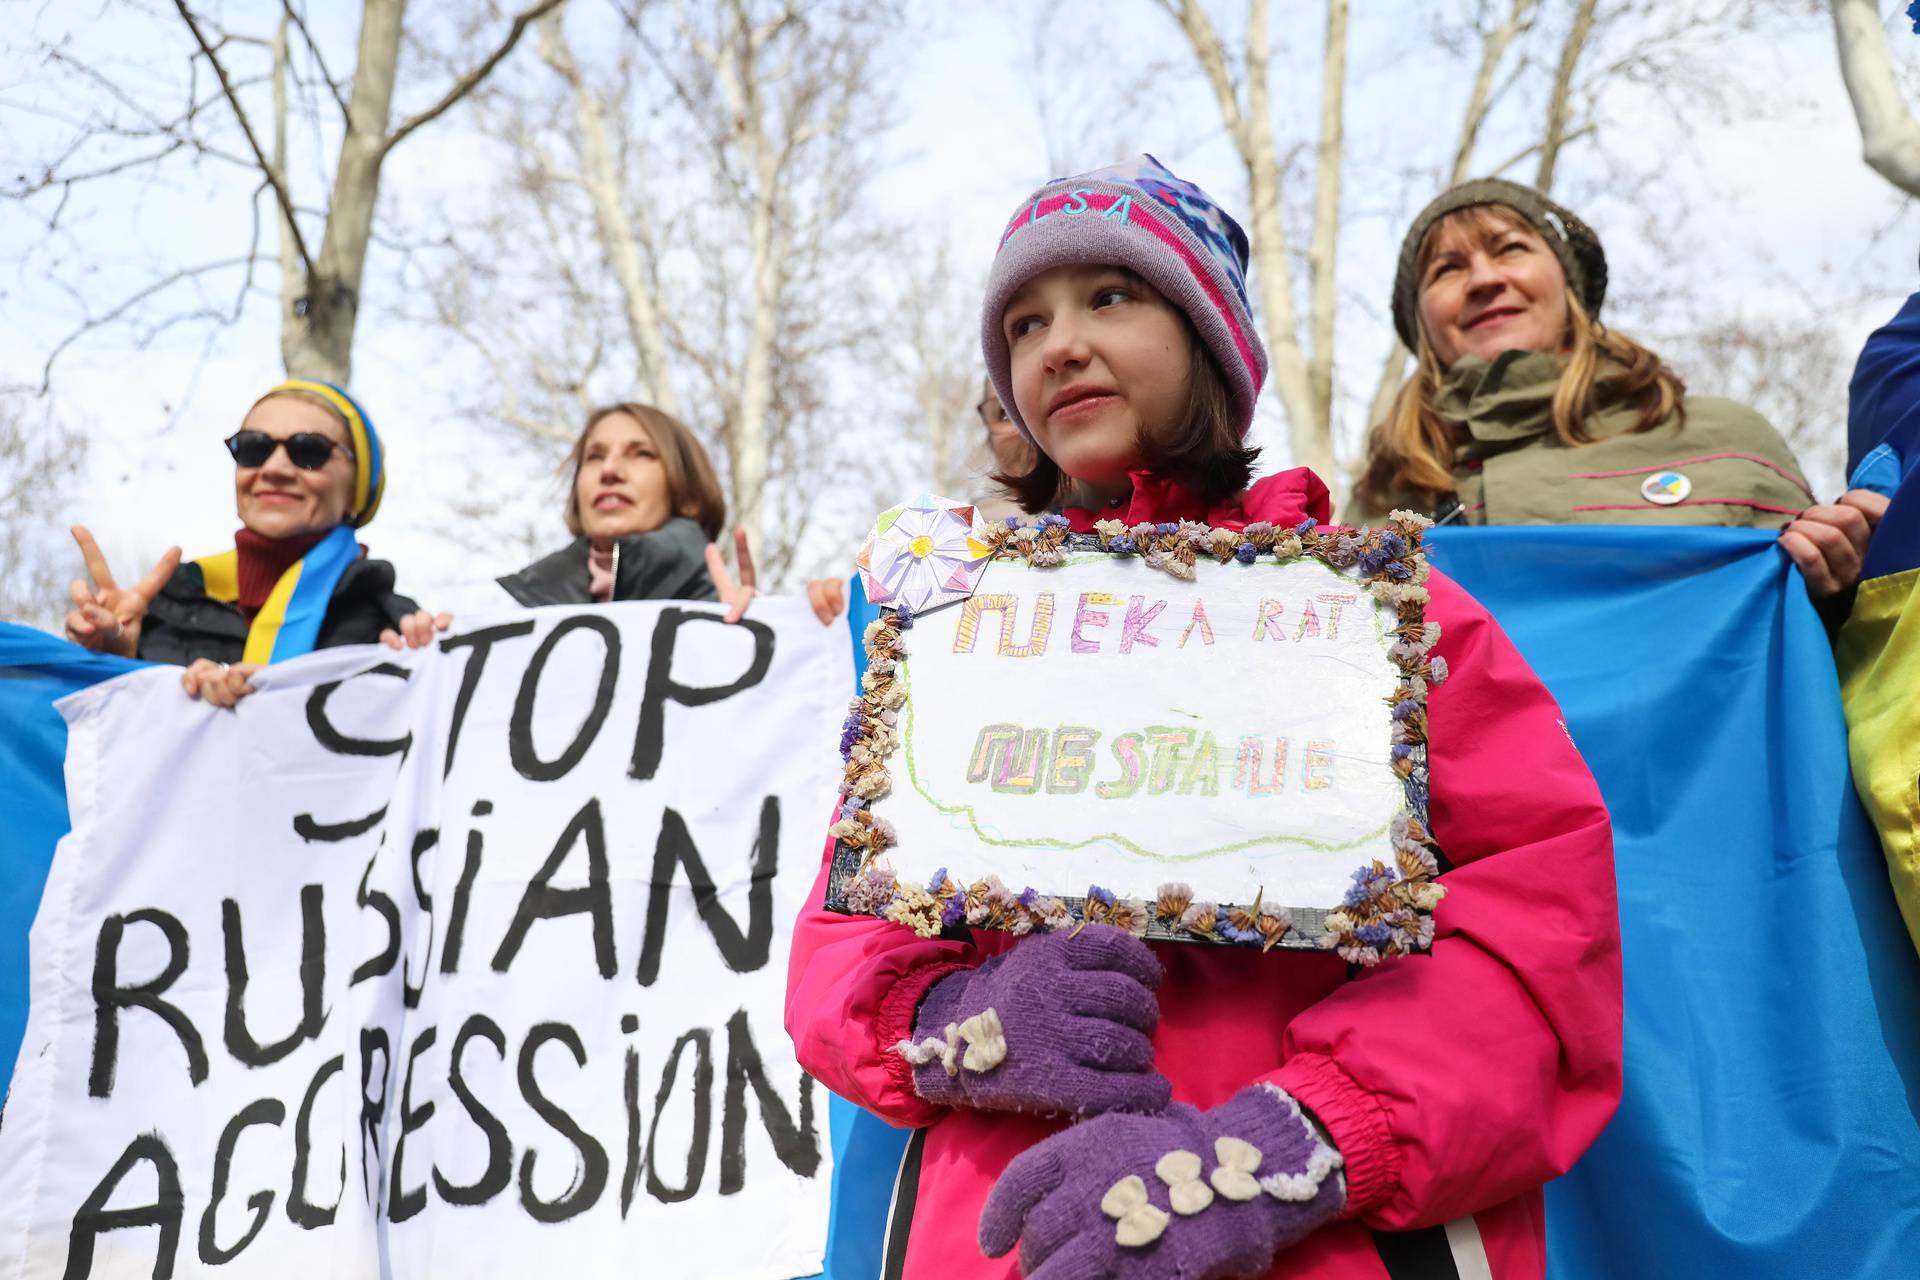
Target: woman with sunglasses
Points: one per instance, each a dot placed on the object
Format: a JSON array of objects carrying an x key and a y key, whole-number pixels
[{"x": 308, "y": 473}]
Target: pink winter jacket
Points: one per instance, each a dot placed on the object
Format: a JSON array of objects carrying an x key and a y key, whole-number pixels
[{"x": 1455, "y": 1084}]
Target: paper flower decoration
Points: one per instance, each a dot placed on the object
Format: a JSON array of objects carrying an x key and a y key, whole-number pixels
[{"x": 923, "y": 553}]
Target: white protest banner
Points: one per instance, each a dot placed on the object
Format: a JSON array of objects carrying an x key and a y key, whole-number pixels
[
  {"x": 469, "y": 961},
  {"x": 1128, "y": 725}
]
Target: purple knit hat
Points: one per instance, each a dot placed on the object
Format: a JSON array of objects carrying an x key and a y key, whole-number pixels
[{"x": 1137, "y": 215}]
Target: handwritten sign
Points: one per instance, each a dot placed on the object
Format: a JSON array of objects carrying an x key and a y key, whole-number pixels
[
  {"x": 458, "y": 962},
  {"x": 1092, "y": 727}
]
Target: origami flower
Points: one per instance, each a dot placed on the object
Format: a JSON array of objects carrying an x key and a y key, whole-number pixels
[{"x": 922, "y": 554}]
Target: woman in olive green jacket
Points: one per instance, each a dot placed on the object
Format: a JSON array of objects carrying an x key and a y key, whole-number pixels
[{"x": 1524, "y": 409}]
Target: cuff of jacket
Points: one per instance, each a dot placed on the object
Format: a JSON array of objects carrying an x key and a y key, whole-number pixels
[
  {"x": 1356, "y": 1122},
  {"x": 895, "y": 1022}
]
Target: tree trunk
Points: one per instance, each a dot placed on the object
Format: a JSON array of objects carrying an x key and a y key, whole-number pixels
[
  {"x": 1493, "y": 50},
  {"x": 1559, "y": 106},
  {"x": 293, "y": 280},
  {"x": 747, "y": 438},
  {"x": 1308, "y": 434},
  {"x": 320, "y": 343},
  {"x": 1322, "y": 248},
  {"x": 620, "y": 238},
  {"x": 1889, "y": 136}
]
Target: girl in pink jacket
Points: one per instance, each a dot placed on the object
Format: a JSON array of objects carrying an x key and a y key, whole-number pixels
[{"x": 1325, "y": 1120}]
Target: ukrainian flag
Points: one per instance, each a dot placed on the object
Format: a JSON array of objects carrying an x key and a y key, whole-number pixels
[
  {"x": 1770, "y": 1126},
  {"x": 1879, "y": 647}
]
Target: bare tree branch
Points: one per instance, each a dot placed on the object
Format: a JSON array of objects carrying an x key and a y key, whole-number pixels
[
  {"x": 1889, "y": 135},
  {"x": 71, "y": 180},
  {"x": 1323, "y": 247},
  {"x": 126, "y": 305},
  {"x": 40, "y": 462},
  {"x": 465, "y": 84},
  {"x": 319, "y": 59},
  {"x": 1559, "y": 108},
  {"x": 757, "y": 264},
  {"x": 288, "y": 232},
  {"x": 1480, "y": 99},
  {"x": 174, "y": 130},
  {"x": 239, "y": 114},
  {"x": 1493, "y": 51},
  {"x": 1567, "y": 139},
  {"x": 621, "y": 236}
]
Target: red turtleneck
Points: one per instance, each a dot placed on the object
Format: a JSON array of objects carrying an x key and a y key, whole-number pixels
[
  {"x": 261, "y": 561},
  {"x": 1285, "y": 498}
]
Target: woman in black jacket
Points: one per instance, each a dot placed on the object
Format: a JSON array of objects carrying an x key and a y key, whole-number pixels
[
  {"x": 308, "y": 473},
  {"x": 643, "y": 505}
]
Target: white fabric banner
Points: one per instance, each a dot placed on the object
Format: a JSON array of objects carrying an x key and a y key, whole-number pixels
[{"x": 469, "y": 961}]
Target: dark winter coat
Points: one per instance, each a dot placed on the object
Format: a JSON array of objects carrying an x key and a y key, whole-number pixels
[
  {"x": 184, "y": 623},
  {"x": 668, "y": 564}
]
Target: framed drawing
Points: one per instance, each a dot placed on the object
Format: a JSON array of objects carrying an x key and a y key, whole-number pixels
[{"x": 1201, "y": 734}]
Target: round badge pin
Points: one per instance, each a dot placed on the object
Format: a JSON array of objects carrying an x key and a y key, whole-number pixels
[{"x": 1665, "y": 488}]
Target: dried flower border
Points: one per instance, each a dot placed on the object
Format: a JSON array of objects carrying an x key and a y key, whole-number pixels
[{"x": 1387, "y": 911}]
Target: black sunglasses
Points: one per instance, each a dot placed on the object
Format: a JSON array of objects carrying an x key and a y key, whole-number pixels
[{"x": 307, "y": 450}]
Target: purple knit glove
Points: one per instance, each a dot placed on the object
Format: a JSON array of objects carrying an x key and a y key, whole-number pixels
[
  {"x": 1202, "y": 1195},
  {"x": 1056, "y": 1023}
]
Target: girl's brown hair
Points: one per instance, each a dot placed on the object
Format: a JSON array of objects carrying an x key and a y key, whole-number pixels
[
  {"x": 1203, "y": 450},
  {"x": 693, "y": 490},
  {"x": 1410, "y": 454}
]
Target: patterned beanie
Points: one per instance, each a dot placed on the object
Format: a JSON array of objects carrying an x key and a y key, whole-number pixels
[
  {"x": 1137, "y": 215},
  {"x": 1573, "y": 242},
  {"x": 369, "y": 462}
]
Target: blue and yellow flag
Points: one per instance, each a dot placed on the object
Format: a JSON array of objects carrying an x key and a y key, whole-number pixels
[
  {"x": 36, "y": 670},
  {"x": 1879, "y": 647},
  {"x": 1770, "y": 1123},
  {"x": 1770, "y": 1126}
]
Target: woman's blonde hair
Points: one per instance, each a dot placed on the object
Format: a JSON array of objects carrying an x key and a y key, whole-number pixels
[
  {"x": 313, "y": 398},
  {"x": 693, "y": 490},
  {"x": 1410, "y": 453}
]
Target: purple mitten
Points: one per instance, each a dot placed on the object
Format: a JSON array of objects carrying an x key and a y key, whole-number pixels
[
  {"x": 1056, "y": 1023},
  {"x": 1202, "y": 1195}
]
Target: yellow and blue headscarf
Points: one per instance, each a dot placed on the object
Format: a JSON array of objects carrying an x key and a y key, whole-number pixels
[
  {"x": 370, "y": 473},
  {"x": 288, "y": 624}
]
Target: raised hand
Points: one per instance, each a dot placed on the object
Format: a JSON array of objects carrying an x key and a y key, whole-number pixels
[
  {"x": 1213, "y": 1194},
  {"x": 736, "y": 596},
  {"x": 828, "y": 596},
  {"x": 1053, "y": 1024},
  {"x": 105, "y": 616}
]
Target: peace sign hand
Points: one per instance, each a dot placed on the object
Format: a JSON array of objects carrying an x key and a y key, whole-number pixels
[
  {"x": 106, "y": 616},
  {"x": 735, "y": 597}
]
